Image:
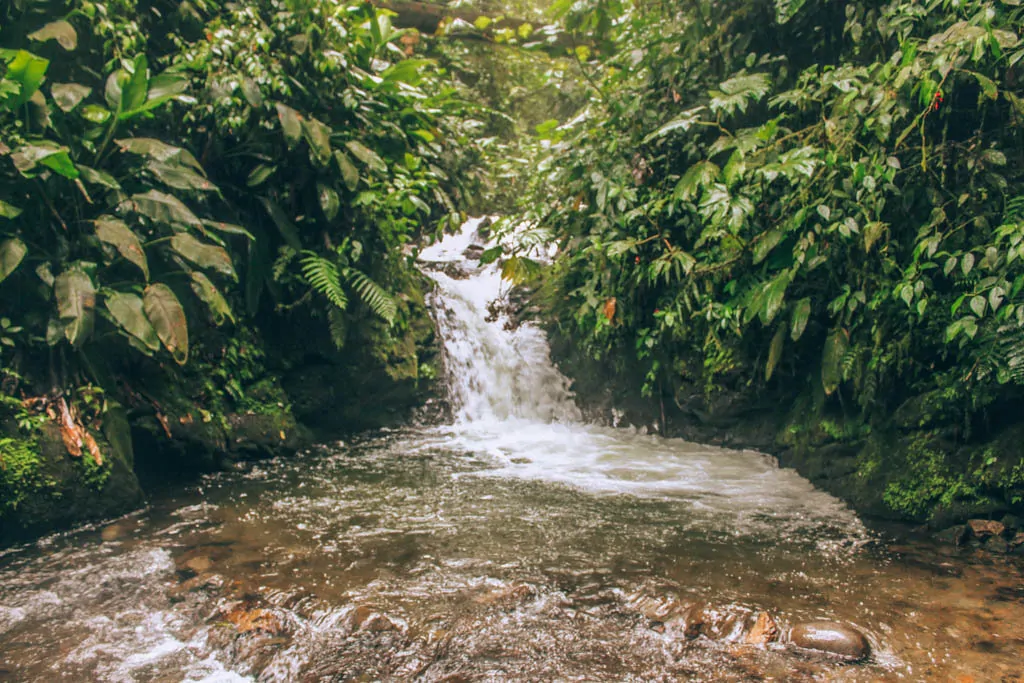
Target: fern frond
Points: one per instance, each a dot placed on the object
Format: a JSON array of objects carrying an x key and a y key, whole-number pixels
[
  {"x": 323, "y": 276},
  {"x": 337, "y": 327},
  {"x": 373, "y": 295}
]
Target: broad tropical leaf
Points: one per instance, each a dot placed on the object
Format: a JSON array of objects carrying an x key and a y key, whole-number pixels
[
  {"x": 202, "y": 254},
  {"x": 164, "y": 208},
  {"x": 291, "y": 124},
  {"x": 215, "y": 301},
  {"x": 801, "y": 313},
  {"x": 329, "y": 202},
  {"x": 159, "y": 151},
  {"x": 127, "y": 310},
  {"x": 61, "y": 31},
  {"x": 367, "y": 156},
  {"x": 76, "y": 304},
  {"x": 165, "y": 312},
  {"x": 68, "y": 95},
  {"x": 116, "y": 233},
  {"x": 318, "y": 135}
]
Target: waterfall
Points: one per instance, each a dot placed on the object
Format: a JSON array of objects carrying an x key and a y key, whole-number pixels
[{"x": 495, "y": 371}]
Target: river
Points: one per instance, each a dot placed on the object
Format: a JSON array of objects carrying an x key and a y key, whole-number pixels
[{"x": 514, "y": 543}]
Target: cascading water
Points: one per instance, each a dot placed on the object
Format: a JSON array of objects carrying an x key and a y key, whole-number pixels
[
  {"x": 515, "y": 543},
  {"x": 493, "y": 374}
]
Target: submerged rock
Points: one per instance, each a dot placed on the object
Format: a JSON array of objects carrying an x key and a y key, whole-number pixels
[{"x": 831, "y": 638}]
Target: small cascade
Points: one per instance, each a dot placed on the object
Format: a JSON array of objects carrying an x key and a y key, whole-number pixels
[{"x": 495, "y": 371}]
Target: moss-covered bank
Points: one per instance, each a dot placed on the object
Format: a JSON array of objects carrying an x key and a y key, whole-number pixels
[
  {"x": 261, "y": 390},
  {"x": 915, "y": 466}
]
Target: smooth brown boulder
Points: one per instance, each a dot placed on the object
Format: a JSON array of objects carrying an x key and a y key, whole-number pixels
[{"x": 831, "y": 638}]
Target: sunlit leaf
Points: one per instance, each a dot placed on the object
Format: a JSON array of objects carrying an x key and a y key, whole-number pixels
[
  {"x": 367, "y": 156},
  {"x": 801, "y": 313},
  {"x": 61, "y": 31},
  {"x": 12, "y": 252},
  {"x": 291, "y": 124},
  {"x": 68, "y": 95}
]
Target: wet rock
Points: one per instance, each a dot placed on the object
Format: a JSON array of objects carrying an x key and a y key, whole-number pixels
[
  {"x": 995, "y": 544},
  {"x": 1013, "y": 523},
  {"x": 258, "y": 619},
  {"x": 831, "y": 638},
  {"x": 507, "y": 597},
  {"x": 202, "y": 582},
  {"x": 983, "y": 528},
  {"x": 957, "y": 535},
  {"x": 1016, "y": 544},
  {"x": 474, "y": 252},
  {"x": 365, "y": 618},
  {"x": 764, "y": 631},
  {"x": 198, "y": 564}
]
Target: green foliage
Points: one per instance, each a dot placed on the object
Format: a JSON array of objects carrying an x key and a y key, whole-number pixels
[
  {"x": 145, "y": 154},
  {"x": 20, "y": 472}
]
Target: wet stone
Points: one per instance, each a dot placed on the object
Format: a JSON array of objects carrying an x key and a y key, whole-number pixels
[
  {"x": 956, "y": 535},
  {"x": 831, "y": 638},
  {"x": 764, "y": 631},
  {"x": 983, "y": 528}
]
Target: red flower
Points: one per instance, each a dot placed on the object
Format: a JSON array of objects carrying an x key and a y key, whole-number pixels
[{"x": 638, "y": 259}]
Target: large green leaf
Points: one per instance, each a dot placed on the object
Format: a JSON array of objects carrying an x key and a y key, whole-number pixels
[
  {"x": 202, "y": 254},
  {"x": 25, "y": 69},
  {"x": 801, "y": 313},
  {"x": 68, "y": 95},
  {"x": 349, "y": 172},
  {"x": 367, "y": 156},
  {"x": 774, "y": 296},
  {"x": 135, "y": 87},
  {"x": 8, "y": 210},
  {"x": 180, "y": 177},
  {"x": 61, "y": 31},
  {"x": 47, "y": 154},
  {"x": 159, "y": 151},
  {"x": 76, "y": 304},
  {"x": 259, "y": 175},
  {"x": 318, "y": 135},
  {"x": 165, "y": 312},
  {"x": 12, "y": 252},
  {"x": 208, "y": 292},
  {"x": 329, "y": 201},
  {"x": 775, "y": 350},
  {"x": 128, "y": 311},
  {"x": 95, "y": 177},
  {"x": 832, "y": 359},
  {"x": 116, "y": 233},
  {"x": 163, "y": 208},
  {"x": 291, "y": 124}
]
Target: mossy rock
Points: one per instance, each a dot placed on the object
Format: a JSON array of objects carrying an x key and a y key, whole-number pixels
[
  {"x": 66, "y": 491},
  {"x": 255, "y": 436}
]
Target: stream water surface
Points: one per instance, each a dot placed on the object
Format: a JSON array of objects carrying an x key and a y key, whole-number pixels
[{"x": 514, "y": 544}]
